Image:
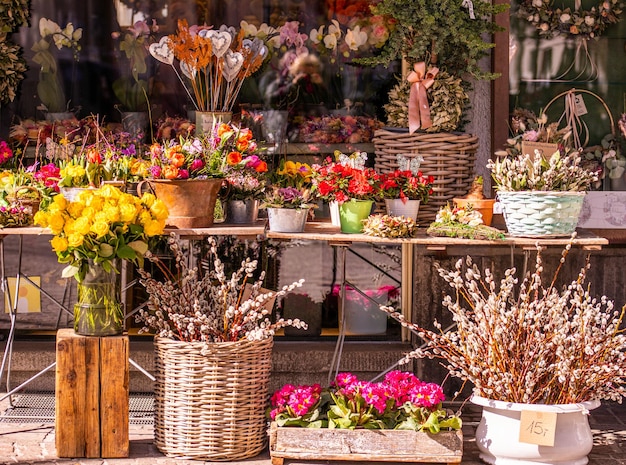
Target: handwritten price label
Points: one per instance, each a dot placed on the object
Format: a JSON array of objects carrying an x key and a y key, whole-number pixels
[{"x": 537, "y": 427}]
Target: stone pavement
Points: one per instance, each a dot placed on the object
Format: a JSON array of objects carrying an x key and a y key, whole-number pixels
[{"x": 34, "y": 443}]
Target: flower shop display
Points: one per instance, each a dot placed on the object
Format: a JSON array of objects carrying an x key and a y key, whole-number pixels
[
  {"x": 360, "y": 314},
  {"x": 351, "y": 184},
  {"x": 50, "y": 88},
  {"x": 405, "y": 188},
  {"x": 342, "y": 129},
  {"x": 476, "y": 199},
  {"x": 399, "y": 418},
  {"x": 213, "y": 345},
  {"x": 20, "y": 196},
  {"x": 389, "y": 226},
  {"x": 90, "y": 235},
  {"x": 462, "y": 221},
  {"x": 188, "y": 169},
  {"x": 541, "y": 196},
  {"x": 215, "y": 63},
  {"x": 529, "y": 341},
  {"x": 246, "y": 175}
]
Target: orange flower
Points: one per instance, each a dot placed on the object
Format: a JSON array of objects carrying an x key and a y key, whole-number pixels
[
  {"x": 261, "y": 167},
  {"x": 242, "y": 145},
  {"x": 223, "y": 129},
  {"x": 93, "y": 156},
  {"x": 170, "y": 172},
  {"x": 233, "y": 158},
  {"x": 177, "y": 159},
  {"x": 245, "y": 134}
]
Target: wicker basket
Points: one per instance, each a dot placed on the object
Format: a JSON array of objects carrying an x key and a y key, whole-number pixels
[
  {"x": 449, "y": 158},
  {"x": 211, "y": 406},
  {"x": 541, "y": 214}
]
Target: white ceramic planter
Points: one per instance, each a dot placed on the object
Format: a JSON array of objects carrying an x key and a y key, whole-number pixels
[{"x": 497, "y": 435}]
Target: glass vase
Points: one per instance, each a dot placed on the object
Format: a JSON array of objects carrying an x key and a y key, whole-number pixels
[{"x": 99, "y": 311}]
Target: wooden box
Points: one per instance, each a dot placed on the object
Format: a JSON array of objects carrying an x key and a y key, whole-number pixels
[
  {"x": 364, "y": 444},
  {"x": 91, "y": 395}
]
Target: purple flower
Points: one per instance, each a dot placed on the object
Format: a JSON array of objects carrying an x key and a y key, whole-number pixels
[
  {"x": 155, "y": 171},
  {"x": 197, "y": 164},
  {"x": 289, "y": 194},
  {"x": 183, "y": 173}
]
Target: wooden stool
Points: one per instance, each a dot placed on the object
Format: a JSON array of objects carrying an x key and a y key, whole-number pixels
[{"x": 91, "y": 395}]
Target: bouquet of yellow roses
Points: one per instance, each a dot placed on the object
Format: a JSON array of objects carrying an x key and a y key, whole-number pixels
[{"x": 102, "y": 225}]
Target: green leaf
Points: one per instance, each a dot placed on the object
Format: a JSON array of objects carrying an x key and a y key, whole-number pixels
[
  {"x": 106, "y": 250},
  {"x": 70, "y": 271},
  {"x": 140, "y": 247},
  {"x": 126, "y": 253}
]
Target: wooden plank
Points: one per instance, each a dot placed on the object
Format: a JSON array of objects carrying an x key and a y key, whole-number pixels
[
  {"x": 70, "y": 402},
  {"x": 91, "y": 414},
  {"x": 114, "y": 396},
  {"x": 367, "y": 445}
]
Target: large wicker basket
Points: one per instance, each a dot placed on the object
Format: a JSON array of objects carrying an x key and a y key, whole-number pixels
[
  {"x": 211, "y": 406},
  {"x": 449, "y": 158}
]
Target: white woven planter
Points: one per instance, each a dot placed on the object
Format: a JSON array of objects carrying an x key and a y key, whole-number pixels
[{"x": 541, "y": 213}]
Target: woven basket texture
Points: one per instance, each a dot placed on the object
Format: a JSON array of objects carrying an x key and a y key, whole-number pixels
[
  {"x": 211, "y": 406},
  {"x": 541, "y": 214},
  {"x": 448, "y": 157}
]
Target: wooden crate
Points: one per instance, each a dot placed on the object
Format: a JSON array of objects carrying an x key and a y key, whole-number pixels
[
  {"x": 91, "y": 395},
  {"x": 364, "y": 444}
]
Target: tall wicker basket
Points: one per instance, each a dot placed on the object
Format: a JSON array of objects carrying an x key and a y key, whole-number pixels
[
  {"x": 448, "y": 157},
  {"x": 211, "y": 406}
]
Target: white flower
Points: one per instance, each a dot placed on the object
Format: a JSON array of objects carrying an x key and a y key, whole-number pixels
[
  {"x": 335, "y": 29},
  {"x": 48, "y": 27},
  {"x": 330, "y": 41},
  {"x": 537, "y": 3},
  {"x": 565, "y": 18},
  {"x": 355, "y": 38},
  {"x": 590, "y": 20},
  {"x": 317, "y": 35}
]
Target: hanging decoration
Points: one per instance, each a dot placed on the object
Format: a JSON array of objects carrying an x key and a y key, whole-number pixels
[
  {"x": 588, "y": 24},
  {"x": 419, "y": 111}
]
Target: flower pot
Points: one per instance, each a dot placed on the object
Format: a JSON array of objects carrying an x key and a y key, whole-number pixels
[
  {"x": 352, "y": 213},
  {"x": 362, "y": 316},
  {"x": 497, "y": 435},
  {"x": 287, "y": 219},
  {"x": 408, "y": 208},
  {"x": 242, "y": 211},
  {"x": 207, "y": 120},
  {"x": 541, "y": 213},
  {"x": 98, "y": 311},
  {"x": 484, "y": 206},
  {"x": 210, "y": 398},
  {"x": 190, "y": 202},
  {"x": 71, "y": 193}
]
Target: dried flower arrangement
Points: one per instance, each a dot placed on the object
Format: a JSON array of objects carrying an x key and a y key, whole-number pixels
[
  {"x": 400, "y": 401},
  {"x": 531, "y": 343},
  {"x": 389, "y": 226},
  {"x": 190, "y": 305},
  {"x": 462, "y": 222}
]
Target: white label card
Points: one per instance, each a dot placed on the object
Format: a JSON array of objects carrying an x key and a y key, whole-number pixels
[
  {"x": 537, "y": 427},
  {"x": 581, "y": 108}
]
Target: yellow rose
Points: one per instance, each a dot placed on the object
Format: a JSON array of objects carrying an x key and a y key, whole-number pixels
[
  {"x": 59, "y": 244},
  {"x": 159, "y": 210},
  {"x": 144, "y": 217},
  {"x": 100, "y": 216},
  {"x": 148, "y": 199},
  {"x": 41, "y": 218},
  {"x": 82, "y": 225},
  {"x": 59, "y": 202},
  {"x": 128, "y": 213},
  {"x": 56, "y": 223},
  {"x": 75, "y": 209},
  {"x": 75, "y": 240},
  {"x": 100, "y": 228},
  {"x": 112, "y": 213},
  {"x": 154, "y": 227},
  {"x": 95, "y": 202},
  {"x": 109, "y": 192}
]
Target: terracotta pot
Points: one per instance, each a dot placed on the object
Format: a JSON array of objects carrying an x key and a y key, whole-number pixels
[
  {"x": 190, "y": 202},
  {"x": 484, "y": 206}
]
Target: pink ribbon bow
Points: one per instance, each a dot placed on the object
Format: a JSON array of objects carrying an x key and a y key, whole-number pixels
[{"x": 419, "y": 111}]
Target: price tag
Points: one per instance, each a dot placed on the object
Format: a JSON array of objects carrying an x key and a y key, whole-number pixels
[
  {"x": 579, "y": 103},
  {"x": 537, "y": 427}
]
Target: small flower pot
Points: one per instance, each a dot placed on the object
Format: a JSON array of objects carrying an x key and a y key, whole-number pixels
[
  {"x": 484, "y": 206},
  {"x": 408, "y": 208},
  {"x": 352, "y": 213},
  {"x": 242, "y": 211},
  {"x": 287, "y": 219}
]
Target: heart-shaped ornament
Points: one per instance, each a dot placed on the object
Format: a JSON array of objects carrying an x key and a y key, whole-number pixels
[
  {"x": 188, "y": 71},
  {"x": 220, "y": 40},
  {"x": 162, "y": 51},
  {"x": 233, "y": 61}
]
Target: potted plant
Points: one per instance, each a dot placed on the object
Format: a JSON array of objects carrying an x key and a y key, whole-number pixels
[
  {"x": 287, "y": 208},
  {"x": 405, "y": 188},
  {"x": 477, "y": 200},
  {"x": 400, "y": 416},
  {"x": 90, "y": 234},
  {"x": 353, "y": 186},
  {"x": 213, "y": 345},
  {"x": 187, "y": 169},
  {"x": 541, "y": 195},
  {"x": 132, "y": 90},
  {"x": 50, "y": 88},
  {"x": 539, "y": 357},
  {"x": 246, "y": 175}
]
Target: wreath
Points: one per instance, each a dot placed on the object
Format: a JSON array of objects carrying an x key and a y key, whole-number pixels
[{"x": 587, "y": 24}]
